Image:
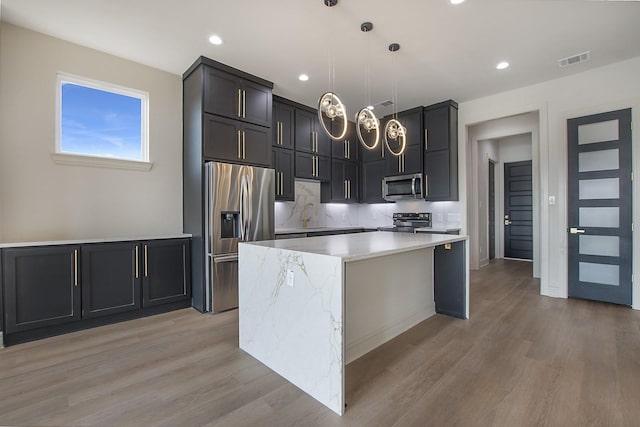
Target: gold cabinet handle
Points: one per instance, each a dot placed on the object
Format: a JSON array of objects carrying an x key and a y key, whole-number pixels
[
  {"x": 281, "y": 134},
  {"x": 75, "y": 267},
  {"x": 239, "y": 102},
  {"x": 426, "y": 140},
  {"x": 426, "y": 185},
  {"x": 146, "y": 264},
  {"x": 282, "y": 183},
  {"x": 244, "y": 104},
  {"x": 344, "y": 188},
  {"x": 239, "y": 145},
  {"x": 137, "y": 272},
  {"x": 244, "y": 145}
]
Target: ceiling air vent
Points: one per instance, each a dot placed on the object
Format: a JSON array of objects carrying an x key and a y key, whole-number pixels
[
  {"x": 575, "y": 59},
  {"x": 386, "y": 103}
]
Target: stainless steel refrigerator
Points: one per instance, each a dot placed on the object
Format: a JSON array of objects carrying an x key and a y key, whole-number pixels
[{"x": 239, "y": 207}]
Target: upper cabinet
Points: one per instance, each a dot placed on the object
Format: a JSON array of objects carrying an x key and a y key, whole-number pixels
[
  {"x": 231, "y": 96},
  {"x": 309, "y": 135},
  {"x": 283, "y": 126},
  {"x": 411, "y": 160},
  {"x": 347, "y": 148},
  {"x": 441, "y": 151}
]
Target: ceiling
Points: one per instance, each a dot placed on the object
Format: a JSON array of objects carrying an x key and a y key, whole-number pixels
[{"x": 446, "y": 51}]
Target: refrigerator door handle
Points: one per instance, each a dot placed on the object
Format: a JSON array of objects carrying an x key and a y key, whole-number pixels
[
  {"x": 224, "y": 258},
  {"x": 245, "y": 209}
]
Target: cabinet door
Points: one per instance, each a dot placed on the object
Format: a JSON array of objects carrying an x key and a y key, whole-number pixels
[
  {"x": 353, "y": 181},
  {"x": 305, "y": 131},
  {"x": 256, "y": 145},
  {"x": 436, "y": 171},
  {"x": 256, "y": 103},
  {"x": 305, "y": 165},
  {"x": 347, "y": 149},
  {"x": 323, "y": 142},
  {"x": 283, "y": 161},
  {"x": 436, "y": 122},
  {"x": 221, "y": 139},
  {"x": 412, "y": 159},
  {"x": 323, "y": 168},
  {"x": 394, "y": 164},
  {"x": 371, "y": 177},
  {"x": 222, "y": 93},
  {"x": 110, "y": 278},
  {"x": 283, "y": 125},
  {"x": 412, "y": 122},
  {"x": 449, "y": 279},
  {"x": 41, "y": 286},
  {"x": 338, "y": 181},
  {"x": 166, "y": 274}
]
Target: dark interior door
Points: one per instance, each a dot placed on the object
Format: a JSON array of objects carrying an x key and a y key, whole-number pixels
[
  {"x": 518, "y": 210},
  {"x": 600, "y": 207}
]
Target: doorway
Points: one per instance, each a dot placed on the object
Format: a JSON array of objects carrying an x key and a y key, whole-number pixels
[
  {"x": 492, "y": 210},
  {"x": 518, "y": 210}
]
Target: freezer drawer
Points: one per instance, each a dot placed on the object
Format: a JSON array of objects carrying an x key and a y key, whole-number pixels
[{"x": 224, "y": 282}]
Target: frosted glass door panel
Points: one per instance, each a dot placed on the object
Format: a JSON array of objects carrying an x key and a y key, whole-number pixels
[
  {"x": 602, "y": 160},
  {"x": 607, "y": 188},
  {"x": 600, "y": 217},
  {"x": 598, "y": 132},
  {"x": 599, "y": 273},
  {"x": 600, "y": 245}
]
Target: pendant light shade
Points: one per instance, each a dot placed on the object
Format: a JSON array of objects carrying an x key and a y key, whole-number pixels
[
  {"x": 332, "y": 109},
  {"x": 394, "y": 133},
  {"x": 365, "y": 118}
]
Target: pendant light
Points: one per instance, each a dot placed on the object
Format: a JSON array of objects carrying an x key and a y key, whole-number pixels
[
  {"x": 365, "y": 118},
  {"x": 329, "y": 105},
  {"x": 394, "y": 131}
]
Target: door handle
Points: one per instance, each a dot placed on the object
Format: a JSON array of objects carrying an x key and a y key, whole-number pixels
[
  {"x": 426, "y": 140},
  {"x": 244, "y": 104},
  {"x": 244, "y": 145},
  {"x": 239, "y": 145},
  {"x": 507, "y": 222},
  {"x": 239, "y": 102},
  {"x": 574, "y": 230}
]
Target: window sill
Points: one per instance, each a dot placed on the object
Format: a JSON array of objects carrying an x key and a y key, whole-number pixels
[{"x": 101, "y": 162}]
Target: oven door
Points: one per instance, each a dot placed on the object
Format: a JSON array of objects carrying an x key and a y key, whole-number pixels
[{"x": 402, "y": 187}]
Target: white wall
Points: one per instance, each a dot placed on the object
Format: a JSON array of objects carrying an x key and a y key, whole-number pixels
[
  {"x": 42, "y": 200},
  {"x": 603, "y": 89}
]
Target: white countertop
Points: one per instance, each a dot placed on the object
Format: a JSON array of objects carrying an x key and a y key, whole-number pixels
[
  {"x": 316, "y": 229},
  {"x": 358, "y": 246},
  {"x": 102, "y": 240}
]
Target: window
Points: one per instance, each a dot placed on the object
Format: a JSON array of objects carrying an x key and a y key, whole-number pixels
[{"x": 101, "y": 124}]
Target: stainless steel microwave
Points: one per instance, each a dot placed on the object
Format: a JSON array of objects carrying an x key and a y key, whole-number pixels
[{"x": 402, "y": 187}]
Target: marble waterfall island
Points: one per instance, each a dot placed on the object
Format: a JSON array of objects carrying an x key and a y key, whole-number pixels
[{"x": 310, "y": 306}]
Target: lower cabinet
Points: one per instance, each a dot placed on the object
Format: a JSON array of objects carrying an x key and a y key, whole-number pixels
[
  {"x": 41, "y": 287},
  {"x": 54, "y": 289},
  {"x": 449, "y": 279},
  {"x": 166, "y": 275},
  {"x": 110, "y": 278}
]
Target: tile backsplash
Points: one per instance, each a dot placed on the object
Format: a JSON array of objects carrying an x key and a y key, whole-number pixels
[{"x": 307, "y": 203}]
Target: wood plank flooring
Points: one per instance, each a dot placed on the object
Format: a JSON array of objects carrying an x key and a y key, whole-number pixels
[{"x": 521, "y": 360}]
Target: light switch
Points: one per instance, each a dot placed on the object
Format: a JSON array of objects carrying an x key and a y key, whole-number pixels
[
  {"x": 290, "y": 278},
  {"x": 552, "y": 200}
]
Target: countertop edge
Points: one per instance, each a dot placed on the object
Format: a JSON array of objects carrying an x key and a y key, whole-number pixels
[
  {"x": 94, "y": 240},
  {"x": 416, "y": 247}
]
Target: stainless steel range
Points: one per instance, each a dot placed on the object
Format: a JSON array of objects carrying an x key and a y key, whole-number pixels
[{"x": 408, "y": 222}]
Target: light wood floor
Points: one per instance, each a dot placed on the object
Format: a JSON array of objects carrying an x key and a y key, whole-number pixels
[{"x": 521, "y": 359}]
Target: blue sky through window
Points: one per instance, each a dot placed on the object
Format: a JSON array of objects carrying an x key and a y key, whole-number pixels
[{"x": 100, "y": 123}]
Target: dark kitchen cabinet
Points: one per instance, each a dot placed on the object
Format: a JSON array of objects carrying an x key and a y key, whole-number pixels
[
  {"x": 441, "y": 151},
  {"x": 41, "y": 287},
  {"x": 309, "y": 135},
  {"x": 344, "y": 184},
  {"x": 283, "y": 127},
  {"x": 411, "y": 160},
  {"x": 165, "y": 272},
  {"x": 229, "y": 95},
  {"x": 234, "y": 141},
  {"x": 110, "y": 278},
  {"x": 347, "y": 148},
  {"x": 371, "y": 177},
  {"x": 309, "y": 166},
  {"x": 449, "y": 279},
  {"x": 380, "y": 151},
  {"x": 283, "y": 161}
]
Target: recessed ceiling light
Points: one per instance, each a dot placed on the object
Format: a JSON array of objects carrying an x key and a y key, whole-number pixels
[
  {"x": 502, "y": 65},
  {"x": 303, "y": 77},
  {"x": 370, "y": 107},
  {"x": 215, "y": 40},
  {"x": 456, "y": 1}
]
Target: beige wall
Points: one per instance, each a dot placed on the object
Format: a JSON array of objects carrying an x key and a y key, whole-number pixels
[
  {"x": 603, "y": 89},
  {"x": 42, "y": 200}
]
